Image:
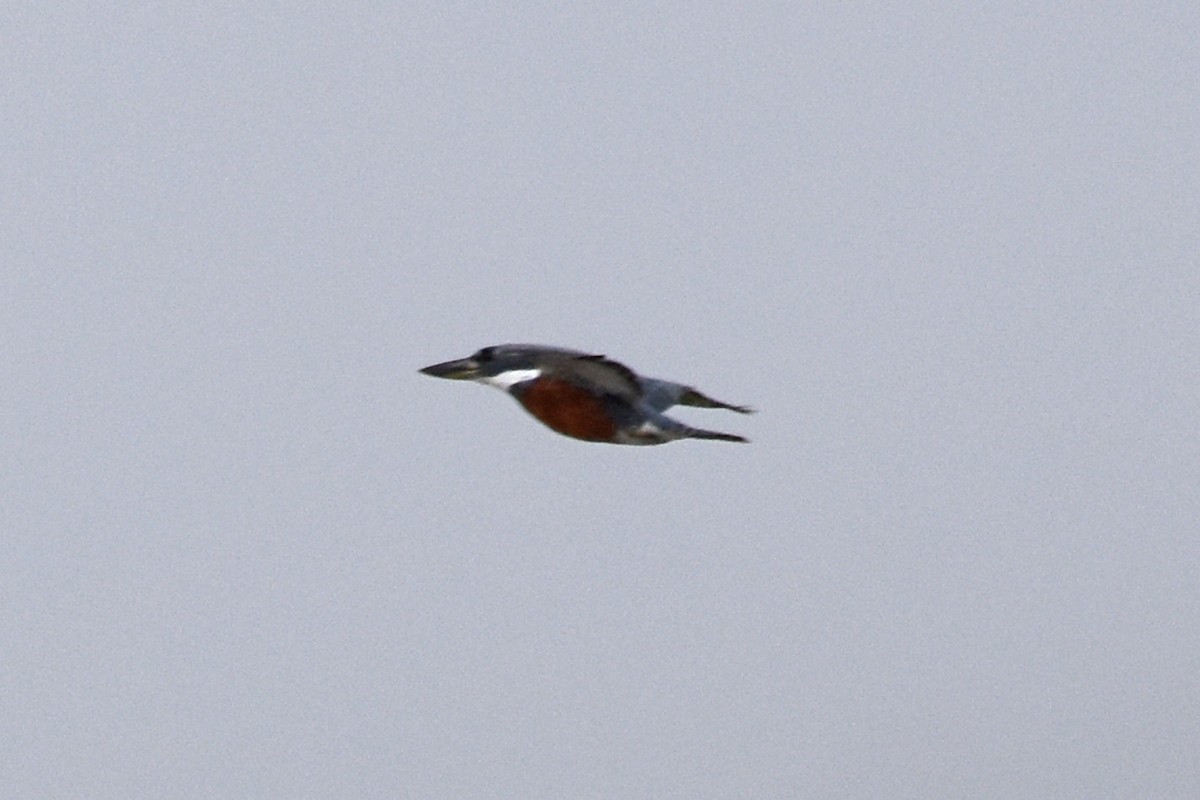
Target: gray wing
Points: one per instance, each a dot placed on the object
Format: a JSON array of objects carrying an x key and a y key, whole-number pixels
[
  {"x": 661, "y": 395},
  {"x": 597, "y": 372}
]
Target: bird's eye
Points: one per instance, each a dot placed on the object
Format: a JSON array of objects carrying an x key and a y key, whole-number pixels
[{"x": 484, "y": 355}]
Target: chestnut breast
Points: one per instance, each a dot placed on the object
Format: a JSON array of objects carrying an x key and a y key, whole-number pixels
[{"x": 564, "y": 407}]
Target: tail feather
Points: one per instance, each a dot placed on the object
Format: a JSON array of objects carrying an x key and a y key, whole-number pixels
[{"x": 700, "y": 433}]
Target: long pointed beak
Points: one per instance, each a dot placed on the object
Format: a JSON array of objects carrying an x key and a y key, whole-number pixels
[{"x": 462, "y": 369}]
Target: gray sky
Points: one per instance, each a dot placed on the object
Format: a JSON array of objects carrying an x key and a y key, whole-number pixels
[{"x": 951, "y": 254}]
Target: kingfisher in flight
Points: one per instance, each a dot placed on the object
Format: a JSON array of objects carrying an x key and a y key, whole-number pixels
[{"x": 588, "y": 397}]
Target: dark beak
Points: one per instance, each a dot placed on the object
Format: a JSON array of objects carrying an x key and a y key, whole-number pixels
[{"x": 462, "y": 369}]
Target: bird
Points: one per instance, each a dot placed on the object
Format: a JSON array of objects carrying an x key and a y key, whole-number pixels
[{"x": 586, "y": 396}]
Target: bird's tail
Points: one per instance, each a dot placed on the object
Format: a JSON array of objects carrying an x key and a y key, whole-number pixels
[{"x": 700, "y": 433}]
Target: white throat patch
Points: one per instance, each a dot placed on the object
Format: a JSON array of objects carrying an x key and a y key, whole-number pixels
[{"x": 509, "y": 378}]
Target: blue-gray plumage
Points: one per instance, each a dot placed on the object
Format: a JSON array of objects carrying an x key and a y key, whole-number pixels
[{"x": 586, "y": 396}]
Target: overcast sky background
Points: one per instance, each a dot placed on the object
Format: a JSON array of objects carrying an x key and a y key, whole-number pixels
[{"x": 952, "y": 254}]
